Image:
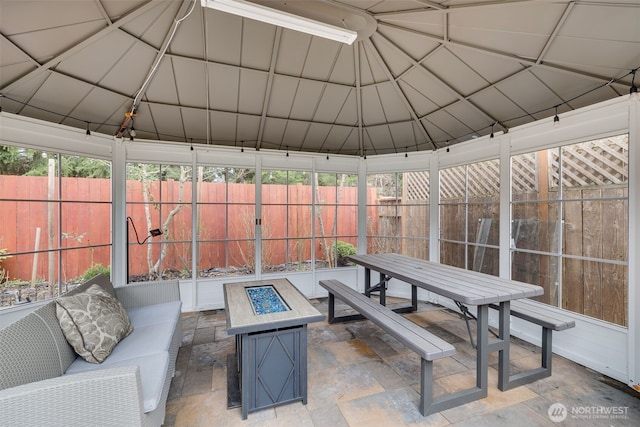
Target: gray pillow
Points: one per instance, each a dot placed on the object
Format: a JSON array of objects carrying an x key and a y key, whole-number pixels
[{"x": 93, "y": 322}]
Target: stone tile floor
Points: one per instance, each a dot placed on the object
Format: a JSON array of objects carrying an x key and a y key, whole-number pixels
[{"x": 360, "y": 376}]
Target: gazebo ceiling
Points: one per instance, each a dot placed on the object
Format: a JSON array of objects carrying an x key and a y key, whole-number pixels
[{"x": 422, "y": 74}]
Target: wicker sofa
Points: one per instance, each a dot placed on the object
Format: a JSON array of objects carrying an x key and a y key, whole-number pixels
[{"x": 44, "y": 383}]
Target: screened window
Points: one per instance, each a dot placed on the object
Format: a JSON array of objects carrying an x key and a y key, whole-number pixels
[
  {"x": 226, "y": 221},
  {"x": 469, "y": 215},
  {"x": 570, "y": 225},
  {"x": 336, "y": 219},
  {"x": 158, "y": 200},
  {"x": 398, "y": 213},
  {"x": 56, "y": 222}
]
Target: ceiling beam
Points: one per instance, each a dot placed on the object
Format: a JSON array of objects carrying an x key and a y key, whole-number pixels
[
  {"x": 267, "y": 95},
  {"x": 356, "y": 59}
]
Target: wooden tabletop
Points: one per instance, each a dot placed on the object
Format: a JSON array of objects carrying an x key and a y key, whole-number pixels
[
  {"x": 241, "y": 317},
  {"x": 465, "y": 286}
]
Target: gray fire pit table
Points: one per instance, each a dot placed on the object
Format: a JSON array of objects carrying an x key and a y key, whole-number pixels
[{"x": 269, "y": 319}]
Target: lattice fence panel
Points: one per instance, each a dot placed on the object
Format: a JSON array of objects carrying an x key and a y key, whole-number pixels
[{"x": 416, "y": 186}]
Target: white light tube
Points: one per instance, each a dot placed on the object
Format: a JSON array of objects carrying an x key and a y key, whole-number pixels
[{"x": 282, "y": 19}]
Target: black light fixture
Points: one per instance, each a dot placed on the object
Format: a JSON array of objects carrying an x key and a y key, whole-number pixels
[
  {"x": 556, "y": 119},
  {"x": 88, "y": 130},
  {"x": 633, "y": 90},
  {"x": 492, "y": 125},
  {"x": 406, "y": 153},
  {"x": 132, "y": 131}
]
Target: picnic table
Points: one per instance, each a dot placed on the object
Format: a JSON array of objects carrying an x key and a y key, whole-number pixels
[{"x": 466, "y": 288}]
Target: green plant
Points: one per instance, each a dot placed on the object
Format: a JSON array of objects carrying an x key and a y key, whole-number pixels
[
  {"x": 94, "y": 270},
  {"x": 342, "y": 251},
  {"x": 4, "y": 276}
]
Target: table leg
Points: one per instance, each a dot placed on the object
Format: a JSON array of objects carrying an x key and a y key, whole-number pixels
[
  {"x": 504, "y": 334},
  {"x": 482, "y": 362},
  {"x": 367, "y": 280},
  {"x": 383, "y": 289}
]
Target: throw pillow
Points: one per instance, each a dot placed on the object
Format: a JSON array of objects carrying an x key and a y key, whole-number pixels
[{"x": 93, "y": 322}]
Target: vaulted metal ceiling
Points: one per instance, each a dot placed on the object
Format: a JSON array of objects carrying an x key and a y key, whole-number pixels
[{"x": 422, "y": 74}]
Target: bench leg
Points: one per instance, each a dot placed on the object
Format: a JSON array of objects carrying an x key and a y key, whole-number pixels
[
  {"x": 511, "y": 381},
  {"x": 426, "y": 386},
  {"x": 429, "y": 404},
  {"x": 332, "y": 307}
]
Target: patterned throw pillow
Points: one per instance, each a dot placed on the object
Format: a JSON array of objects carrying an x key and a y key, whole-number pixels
[{"x": 93, "y": 322}]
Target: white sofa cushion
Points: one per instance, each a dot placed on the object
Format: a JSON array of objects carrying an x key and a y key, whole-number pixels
[
  {"x": 155, "y": 313},
  {"x": 153, "y": 373},
  {"x": 142, "y": 341}
]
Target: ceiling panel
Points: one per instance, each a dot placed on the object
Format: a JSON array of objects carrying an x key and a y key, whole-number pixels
[
  {"x": 496, "y": 104},
  {"x": 454, "y": 72},
  {"x": 93, "y": 62},
  {"x": 123, "y": 77},
  {"x": 253, "y": 87},
  {"x": 420, "y": 104},
  {"x": 429, "y": 22},
  {"x": 435, "y": 91},
  {"x": 14, "y": 62},
  {"x": 257, "y": 45},
  {"x": 524, "y": 90},
  {"x": 394, "y": 58},
  {"x": 372, "y": 111},
  {"x": 305, "y": 103},
  {"x": 153, "y": 25},
  {"x": 223, "y": 126},
  {"x": 320, "y": 59},
  {"x": 189, "y": 78},
  {"x": 223, "y": 87},
  {"x": 331, "y": 103},
  {"x": 414, "y": 44},
  {"x": 224, "y": 36}
]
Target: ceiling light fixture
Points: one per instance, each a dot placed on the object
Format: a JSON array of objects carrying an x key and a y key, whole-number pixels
[
  {"x": 633, "y": 91},
  {"x": 282, "y": 19},
  {"x": 556, "y": 119}
]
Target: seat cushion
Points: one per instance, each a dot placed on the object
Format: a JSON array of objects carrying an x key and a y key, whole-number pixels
[
  {"x": 143, "y": 341},
  {"x": 153, "y": 373},
  {"x": 155, "y": 313},
  {"x": 93, "y": 322}
]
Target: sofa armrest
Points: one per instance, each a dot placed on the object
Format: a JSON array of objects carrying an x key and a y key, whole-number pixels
[
  {"x": 141, "y": 294},
  {"x": 85, "y": 399}
]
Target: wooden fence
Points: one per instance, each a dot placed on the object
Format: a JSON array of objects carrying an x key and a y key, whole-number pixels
[{"x": 226, "y": 228}]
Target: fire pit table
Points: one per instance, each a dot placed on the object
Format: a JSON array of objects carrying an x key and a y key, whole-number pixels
[{"x": 269, "y": 319}]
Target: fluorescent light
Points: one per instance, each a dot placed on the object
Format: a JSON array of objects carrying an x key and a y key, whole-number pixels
[{"x": 282, "y": 19}]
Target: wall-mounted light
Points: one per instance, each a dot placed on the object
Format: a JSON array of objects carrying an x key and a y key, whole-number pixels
[
  {"x": 152, "y": 233},
  {"x": 282, "y": 19}
]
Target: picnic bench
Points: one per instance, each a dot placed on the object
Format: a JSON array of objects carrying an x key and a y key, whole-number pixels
[
  {"x": 427, "y": 345},
  {"x": 549, "y": 322}
]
